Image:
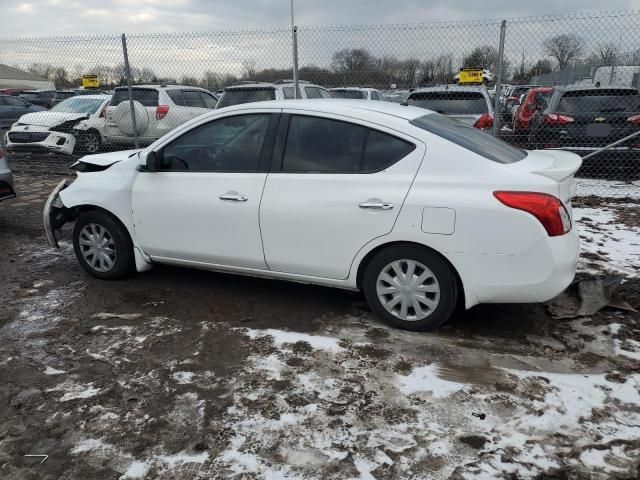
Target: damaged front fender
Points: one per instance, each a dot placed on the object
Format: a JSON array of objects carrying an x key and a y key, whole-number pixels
[{"x": 55, "y": 214}]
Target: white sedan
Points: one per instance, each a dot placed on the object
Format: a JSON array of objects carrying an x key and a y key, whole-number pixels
[
  {"x": 76, "y": 124},
  {"x": 419, "y": 211}
]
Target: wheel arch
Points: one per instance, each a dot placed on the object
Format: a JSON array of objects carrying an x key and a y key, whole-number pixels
[{"x": 364, "y": 263}]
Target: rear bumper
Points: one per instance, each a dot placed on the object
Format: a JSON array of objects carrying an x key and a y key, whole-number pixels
[{"x": 537, "y": 275}]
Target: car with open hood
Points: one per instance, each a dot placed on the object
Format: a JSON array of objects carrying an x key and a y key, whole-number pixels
[
  {"x": 74, "y": 125},
  {"x": 419, "y": 211}
]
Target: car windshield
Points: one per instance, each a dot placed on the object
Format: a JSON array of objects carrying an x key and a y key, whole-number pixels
[
  {"x": 600, "y": 102},
  {"x": 78, "y": 105},
  {"x": 450, "y": 102},
  {"x": 355, "y": 94},
  {"x": 470, "y": 138},
  {"x": 245, "y": 95}
]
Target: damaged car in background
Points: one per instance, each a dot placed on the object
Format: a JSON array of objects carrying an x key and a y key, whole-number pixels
[
  {"x": 75, "y": 125},
  {"x": 419, "y": 211}
]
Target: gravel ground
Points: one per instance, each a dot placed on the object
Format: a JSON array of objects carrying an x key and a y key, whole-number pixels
[{"x": 182, "y": 374}]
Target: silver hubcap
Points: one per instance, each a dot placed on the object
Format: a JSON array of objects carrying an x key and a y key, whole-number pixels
[
  {"x": 98, "y": 247},
  {"x": 408, "y": 290}
]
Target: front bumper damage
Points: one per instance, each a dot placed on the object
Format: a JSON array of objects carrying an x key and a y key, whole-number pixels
[
  {"x": 55, "y": 214},
  {"x": 32, "y": 139}
]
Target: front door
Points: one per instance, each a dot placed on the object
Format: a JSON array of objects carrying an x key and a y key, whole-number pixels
[
  {"x": 202, "y": 205},
  {"x": 338, "y": 185}
]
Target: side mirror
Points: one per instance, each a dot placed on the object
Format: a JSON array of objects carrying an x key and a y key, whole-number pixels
[{"x": 152, "y": 162}]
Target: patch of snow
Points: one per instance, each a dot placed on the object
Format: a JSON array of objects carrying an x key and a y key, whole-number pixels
[
  {"x": 136, "y": 469},
  {"x": 121, "y": 316},
  {"x": 183, "y": 377},
  {"x": 607, "y": 188},
  {"x": 74, "y": 391},
  {"x": 89, "y": 445},
  {"x": 52, "y": 371},
  {"x": 426, "y": 379},
  {"x": 42, "y": 283},
  {"x": 281, "y": 337},
  {"x": 181, "y": 458}
]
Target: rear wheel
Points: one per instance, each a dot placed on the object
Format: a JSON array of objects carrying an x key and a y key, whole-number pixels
[
  {"x": 103, "y": 246},
  {"x": 411, "y": 287}
]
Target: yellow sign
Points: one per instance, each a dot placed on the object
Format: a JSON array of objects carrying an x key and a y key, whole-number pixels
[
  {"x": 470, "y": 75},
  {"x": 90, "y": 81}
]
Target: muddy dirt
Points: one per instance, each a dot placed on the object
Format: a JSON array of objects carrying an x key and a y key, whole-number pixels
[{"x": 182, "y": 374}]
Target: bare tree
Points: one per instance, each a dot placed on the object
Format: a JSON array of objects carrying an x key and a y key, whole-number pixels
[
  {"x": 249, "y": 68},
  {"x": 352, "y": 60},
  {"x": 565, "y": 48}
]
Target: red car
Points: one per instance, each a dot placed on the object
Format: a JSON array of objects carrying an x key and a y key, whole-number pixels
[{"x": 534, "y": 100}]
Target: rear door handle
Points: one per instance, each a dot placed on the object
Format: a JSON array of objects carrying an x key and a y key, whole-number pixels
[
  {"x": 234, "y": 197},
  {"x": 376, "y": 206}
]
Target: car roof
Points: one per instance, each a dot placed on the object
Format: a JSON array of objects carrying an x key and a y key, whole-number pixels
[
  {"x": 269, "y": 85},
  {"x": 452, "y": 88},
  {"x": 357, "y": 89},
  {"x": 93, "y": 97},
  {"x": 335, "y": 105},
  {"x": 159, "y": 86},
  {"x": 576, "y": 88}
]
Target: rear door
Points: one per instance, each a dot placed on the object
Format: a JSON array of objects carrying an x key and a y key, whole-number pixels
[{"x": 335, "y": 185}]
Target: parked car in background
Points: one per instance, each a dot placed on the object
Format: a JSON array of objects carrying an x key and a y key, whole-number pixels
[
  {"x": 47, "y": 98},
  {"x": 469, "y": 104},
  {"x": 6, "y": 178},
  {"x": 158, "y": 109},
  {"x": 357, "y": 93},
  {"x": 14, "y": 91},
  {"x": 75, "y": 125},
  {"x": 583, "y": 119},
  {"x": 421, "y": 212},
  {"x": 511, "y": 98},
  {"x": 12, "y": 108},
  {"x": 535, "y": 99},
  {"x": 250, "y": 91},
  {"x": 396, "y": 96}
]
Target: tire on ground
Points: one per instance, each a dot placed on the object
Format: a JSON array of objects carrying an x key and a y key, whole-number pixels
[
  {"x": 446, "y": 277},
  {"x": 122, "y": 117},
  {"x": 124, "y": 264}
]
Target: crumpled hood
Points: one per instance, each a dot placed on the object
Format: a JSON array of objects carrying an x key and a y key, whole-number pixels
[
  {"x": 106, "y": 159},
  {"x": 49, "y": 119}
]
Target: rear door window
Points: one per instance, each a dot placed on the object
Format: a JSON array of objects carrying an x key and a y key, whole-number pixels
[
  {"x": 237, "y": 96},
  {"x": 287, "y": 93},
  {"x": 383, "y": 150},
  {"x": 176, "y": 97},
  {"x": 312, "y": 92},
  {"x": 209, "y": 100},
  {"x": 470, "y": 138},
  {"x": 450, "y": 102},
  {"x": 146, "y": 96},
  {"x": 322, "y": 145},
  {"x": 193, "y": 99}
]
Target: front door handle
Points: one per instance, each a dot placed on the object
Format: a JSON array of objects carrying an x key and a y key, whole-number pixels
[
  {"x": 376, "y": 206},
  {"x": 234, "y": 197}
]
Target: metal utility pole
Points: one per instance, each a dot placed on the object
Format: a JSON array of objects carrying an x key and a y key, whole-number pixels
[
  {"x": 294, "y": 42},
  {"x": 496, "y": 100},
  {"x": 127, "y": 72}
]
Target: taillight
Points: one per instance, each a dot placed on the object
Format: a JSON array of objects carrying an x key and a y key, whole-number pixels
[
  {"x": 485, "y": 121},
  {"x": 556, "y": 119},
  {"x": 161, "y": 111},
  {"x": 549, "y": 210},
  {"x": 635, "y": 119}
]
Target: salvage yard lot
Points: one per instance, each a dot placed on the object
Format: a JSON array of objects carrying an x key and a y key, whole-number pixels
[{"x": 179, "y": 374}]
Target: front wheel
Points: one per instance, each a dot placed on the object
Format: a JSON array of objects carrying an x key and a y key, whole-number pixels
[
  {"x": 411, "y": 287},
  {"x": 102, "y": 246},
  {"x": 90, "y": 142}
]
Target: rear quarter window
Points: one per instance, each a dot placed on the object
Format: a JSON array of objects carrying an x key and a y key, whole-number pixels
[
  {"x": 146, "y": 96},
  {"x": 245, "y": 95},
  {"x": 470, "y": 138}
]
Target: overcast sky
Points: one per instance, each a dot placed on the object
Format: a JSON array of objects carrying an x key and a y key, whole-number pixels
[{"x": 65, "y": 17}]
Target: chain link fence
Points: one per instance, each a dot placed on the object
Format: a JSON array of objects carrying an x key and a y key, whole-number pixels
[{"x": 562, "y": 83}]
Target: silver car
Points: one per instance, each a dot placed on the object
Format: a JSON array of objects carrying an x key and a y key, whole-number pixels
[
  {"x": 469, "y": 104},
  {"x": 6, "y": 178}
]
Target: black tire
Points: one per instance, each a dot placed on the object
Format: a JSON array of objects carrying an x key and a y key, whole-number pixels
[
  {"x": 90, "y": 142},
  {"x": 445, "y": 276},
  {"x": 124, "y": 262}
]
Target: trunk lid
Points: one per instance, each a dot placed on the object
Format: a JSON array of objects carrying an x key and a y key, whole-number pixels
[{"x": 558, "y": 165}]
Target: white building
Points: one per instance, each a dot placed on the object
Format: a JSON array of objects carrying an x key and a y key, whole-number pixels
[{"x": 11, "y": 77}]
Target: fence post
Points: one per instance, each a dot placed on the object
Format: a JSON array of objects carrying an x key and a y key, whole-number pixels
[
  {"x": 295, "y": 61},
  {"x": 496, "y": 100},
  {"x": 127, "y": 72}
]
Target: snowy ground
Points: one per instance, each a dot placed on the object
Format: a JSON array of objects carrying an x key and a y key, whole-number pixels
[{"x": 179, "y": 375}]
